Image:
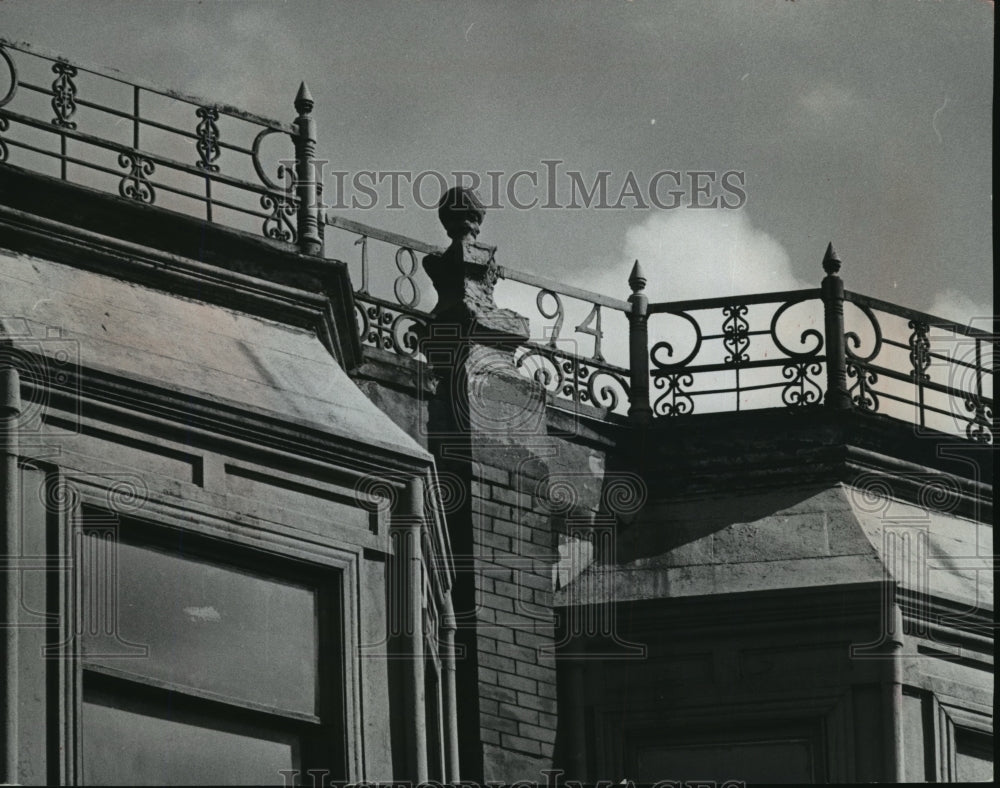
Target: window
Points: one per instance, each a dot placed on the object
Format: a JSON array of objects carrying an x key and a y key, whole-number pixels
[{"x": 204, "y": 662}]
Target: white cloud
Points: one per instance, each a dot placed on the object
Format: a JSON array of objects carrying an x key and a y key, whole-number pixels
[
  {"x": 706, "y": 253},
  {"x": 685, "y": 254},
  {"x": 960, "y": 307}
]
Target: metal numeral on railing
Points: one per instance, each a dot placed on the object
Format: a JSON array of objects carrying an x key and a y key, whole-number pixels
[
  {"x": 363, "y": 243},
  {"x": 556, "y": 314},
  {"x": 405, "y": 279},
  {"x": 595, "y": 331}
]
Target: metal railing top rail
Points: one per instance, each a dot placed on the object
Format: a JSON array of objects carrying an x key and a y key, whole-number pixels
[
  {"x": 555, "y": 286},
  {"x": 503, "y": 271},
  {"x": 370, "y": 231},
  {"x": 718, "y": 302},
  {"x": 139, "y": 134},
  {"x": 932, "y": 320},
  {"x": 117, "y": 76}
]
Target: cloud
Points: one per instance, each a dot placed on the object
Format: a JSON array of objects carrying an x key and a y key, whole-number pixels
[
  {"x": 685, "y": 254},
  {"x": 706, "y": 253},
  {"x": 960, "y": 307}
]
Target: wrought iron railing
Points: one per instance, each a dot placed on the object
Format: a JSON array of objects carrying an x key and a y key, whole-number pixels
[
  {"x": 558, "y": 359},
  {"x": 794, "y": 349},
  {"x": 936, "y": 373},
  {"x": 92, "y": 126},
  {"x": 394, "y": 320},
  {"x": 741, "y": 353},
  {"x": 393, "y": 324}
]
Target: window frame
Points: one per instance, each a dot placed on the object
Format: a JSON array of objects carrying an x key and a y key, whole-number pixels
[{"x": 334, "y": 562}]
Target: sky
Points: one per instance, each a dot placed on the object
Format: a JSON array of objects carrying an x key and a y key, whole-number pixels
[{"x": 867, "y": 124}]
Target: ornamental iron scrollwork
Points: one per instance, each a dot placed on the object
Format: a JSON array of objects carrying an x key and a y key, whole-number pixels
[
  {"x": 207, "y": 132},
  {"x": 980, "y": 427},
  {"x": 852, "y": 339},
  {"x": 862, "y": 394},
  {"x": 64, "y": 94},
  {"x": 12, "y": 90},
  {"x": 279, "y": 224},
  {"x": 135, "y": 185},
  {"x": 674, "y": 401},
  {"x": 573, "y": 378},
  {"x": 664, "y": 366},
  {"x": 735, "y": 333},
  {"x": 388, "y": 329},
  {"x": 286, "y": 174},
  {"x": 920, "y": 351},
  {"x": 801, "y": 389},
  {"x": 804, "y": 337},
  {"x": 4, "y": 151}
]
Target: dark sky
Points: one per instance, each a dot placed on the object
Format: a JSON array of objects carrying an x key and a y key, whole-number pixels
[{"x": 864, "y": 123}]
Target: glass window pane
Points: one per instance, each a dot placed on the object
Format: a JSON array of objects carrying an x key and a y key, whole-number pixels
[
  {"x": 208, "y": 626},
  {"x": 122, "y": 746}
]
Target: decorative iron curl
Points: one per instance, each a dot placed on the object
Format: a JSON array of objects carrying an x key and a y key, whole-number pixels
[
  {"x": 674, "y": 401},
  {"x": 804, "y": 337},
  {"x": 801, "y": 390},
  {"x": 920, "y": 351},
  {"x": 980, "y": 428},
  {"x": 208, "y": 134},
  {"x": 866, "y": 398},
  {"x": 548, "y": 374},
  {"x": 612, "y": 391},
  {"x": 570, "y": 377},
  {"x": 135, "y": 185},
  {"x": 387, "y": 329},
  {"x": 4, "y": 151},
  {"x": 279, "y": 224},
  {"x": 736, "y": 333},
  {"x": 64, "y": 94},
  {"x": 667, "y": 365},
  {"x": 851, "y": 338},
  {"x": 284, "y": 173},
  {"x": 12, "y": 90}
]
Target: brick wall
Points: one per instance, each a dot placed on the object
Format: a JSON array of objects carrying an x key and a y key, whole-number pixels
[{"x": 514, "y": 550}]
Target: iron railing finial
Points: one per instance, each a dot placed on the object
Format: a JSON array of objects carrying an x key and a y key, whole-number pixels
[
  {"x": 306, "y": 186},
  {"x": 831, "y": 262},
  {"x": 832, "y": 291},
  {"x": 638, "y": 345},
  {"x": 637, "y": 279}
]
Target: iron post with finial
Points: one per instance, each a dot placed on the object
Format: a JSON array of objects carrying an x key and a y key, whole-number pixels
[
  {"x": 832, "y": 290},
  {"x": 306, "y": 187},
  {"x": 638, "y": 348}
]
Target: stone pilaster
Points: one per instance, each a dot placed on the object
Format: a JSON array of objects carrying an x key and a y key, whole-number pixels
[{"x": 488, "y": 429}]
